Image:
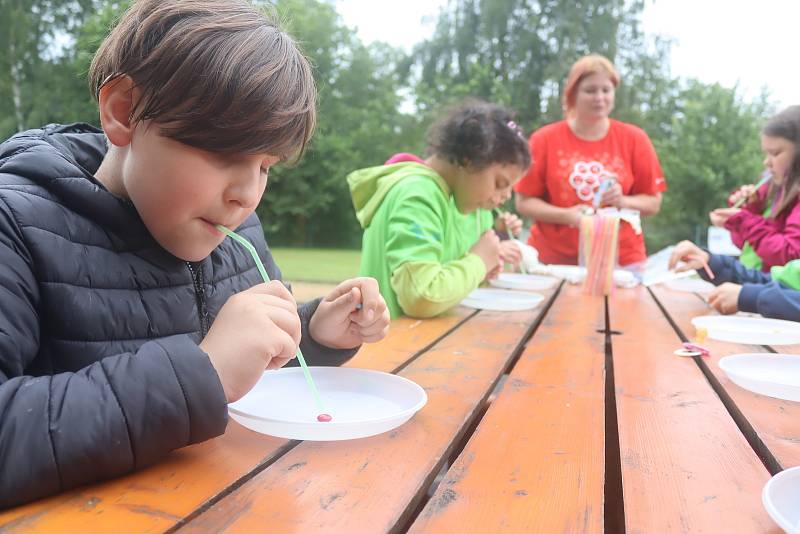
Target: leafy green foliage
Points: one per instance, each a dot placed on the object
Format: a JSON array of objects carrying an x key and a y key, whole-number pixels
[{"x": 514, "y": 52}]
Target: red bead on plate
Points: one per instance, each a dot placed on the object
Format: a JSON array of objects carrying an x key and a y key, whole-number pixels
[{"x": 324, "y": 418}]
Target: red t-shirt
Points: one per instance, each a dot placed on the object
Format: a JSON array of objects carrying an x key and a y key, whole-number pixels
[{"x": 567, "y": 170}]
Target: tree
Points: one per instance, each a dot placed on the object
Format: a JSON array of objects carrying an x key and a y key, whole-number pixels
[
  {"x": 713, "y": 147},
  {"x": 515, "y": 52},
  {"x": 359, "y": 124},
  {"x": 31, "y": 32}
]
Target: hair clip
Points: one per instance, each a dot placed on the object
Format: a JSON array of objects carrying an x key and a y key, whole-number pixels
[{"x": 516, "y": 129}]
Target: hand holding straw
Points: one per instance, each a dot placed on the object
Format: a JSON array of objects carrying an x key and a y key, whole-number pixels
[
  {"x": 496, "y": 212},
  {"x": 706, "y": 268},
  {"x": 765, "y": 177},
  {"x": 250, "y": 248}
]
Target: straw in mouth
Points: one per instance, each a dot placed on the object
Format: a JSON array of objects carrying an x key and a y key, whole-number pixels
[{"x": 322, "y": 417}]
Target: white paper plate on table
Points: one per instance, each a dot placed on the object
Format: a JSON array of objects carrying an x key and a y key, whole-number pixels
[
  {"x": 781, "y": 498},
  {"x": 749, "y": 330},
  {"x": 523, "y": 281},
  {"x": 766, "y": 373},
  {"x": 690, "y": 285},
  {"x": 361, "y": 402},
  {"x": 501, "y": 300}
]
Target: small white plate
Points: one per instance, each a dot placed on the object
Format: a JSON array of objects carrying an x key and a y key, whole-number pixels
[
  {"x": 781, "y": 498},
  {"x": 749, "y": 330},
  {"x": 524, "y": 282},
  {"x": 501, "y": 300},
  {"x": 361, "y": 402},
  {"x": 765, "y": 373},
  {"x": 690, "y": 285}
]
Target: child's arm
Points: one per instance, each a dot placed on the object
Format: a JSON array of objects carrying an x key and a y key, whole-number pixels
[
  {"x": 775, "y": 245},
  {"x": 728, "y": 269},
  {"x": 426, "y": 285},
  {"x": 111, "y": 417},
  {"x": 770, "y": 300}
]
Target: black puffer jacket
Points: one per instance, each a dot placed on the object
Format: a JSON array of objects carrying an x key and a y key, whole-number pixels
[{"x": 100, "y": 371}]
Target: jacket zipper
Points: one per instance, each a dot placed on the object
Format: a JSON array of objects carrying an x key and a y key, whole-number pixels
[{"x": 200, "y": 296}]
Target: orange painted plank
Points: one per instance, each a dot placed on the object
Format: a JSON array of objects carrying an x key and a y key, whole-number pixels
[
  {"x": 372, "y": 484},
  {"x": 776, "y": 422},
  {"x": 406, "y": 337},
  {"x": 157, "y": 498},
  {"x": 536, "y": 461},
  {"x": 685, "y": 465}
]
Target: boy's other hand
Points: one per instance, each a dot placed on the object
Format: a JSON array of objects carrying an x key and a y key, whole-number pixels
[
  {"x": 488, "y": 249},
  {"x": 689, "y": 253},
  {"x": 255, "y": 330},
  {"x": 725, "y": 298},
  {"x": 339, "y": 323}
]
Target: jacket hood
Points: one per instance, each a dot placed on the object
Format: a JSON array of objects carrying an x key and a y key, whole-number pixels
[{"x": 369, "y": 187}]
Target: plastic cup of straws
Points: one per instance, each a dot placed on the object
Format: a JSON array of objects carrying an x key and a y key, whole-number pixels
[{"x": 598, "y": 241}]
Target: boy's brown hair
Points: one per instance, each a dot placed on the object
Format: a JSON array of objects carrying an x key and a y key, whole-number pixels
[{"x": 214, "y": 74}]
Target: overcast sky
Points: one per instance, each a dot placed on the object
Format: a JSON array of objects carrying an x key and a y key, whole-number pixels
[{"x": 752, "y": 43}]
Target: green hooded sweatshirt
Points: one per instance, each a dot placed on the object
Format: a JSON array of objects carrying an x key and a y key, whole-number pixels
[{"x": 416, "y": 243}]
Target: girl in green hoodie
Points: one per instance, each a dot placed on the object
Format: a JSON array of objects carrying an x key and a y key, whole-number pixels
[{"x": 428, "y": 236}]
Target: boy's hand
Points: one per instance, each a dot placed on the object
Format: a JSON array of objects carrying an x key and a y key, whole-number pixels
[
  {"x": 691, "y": 254},
  {"x": 725, "y": 298},
  {"x": 509, "y": 223},
  {"x": 510, "y": 252},
  {"x": 255, "y": 330},
  {"x": 488, "y": 249},
  {"x": 339, "y": 324}
]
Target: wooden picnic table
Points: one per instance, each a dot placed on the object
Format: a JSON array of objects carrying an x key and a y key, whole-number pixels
[{"x": 573, "y": 417}]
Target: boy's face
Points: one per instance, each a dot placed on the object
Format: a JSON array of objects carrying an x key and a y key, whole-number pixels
[
  {"x": 487, "y": 188},
  {"x": 182, "y": 192}
]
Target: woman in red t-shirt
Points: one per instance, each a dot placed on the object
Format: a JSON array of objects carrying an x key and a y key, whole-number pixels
[{"x": 572, "y": 157}]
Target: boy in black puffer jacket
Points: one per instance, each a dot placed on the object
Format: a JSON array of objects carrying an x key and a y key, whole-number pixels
[{"x": 127, "y": 320}]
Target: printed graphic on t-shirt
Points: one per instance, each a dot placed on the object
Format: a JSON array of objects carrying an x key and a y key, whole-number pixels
[{"x": 586, "y": 178}]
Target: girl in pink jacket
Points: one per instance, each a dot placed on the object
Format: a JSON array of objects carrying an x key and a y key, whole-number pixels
[{"x": 774, "y": 236}]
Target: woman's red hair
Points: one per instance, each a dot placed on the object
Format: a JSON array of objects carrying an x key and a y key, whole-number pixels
[{"x": 586, "y": 66}]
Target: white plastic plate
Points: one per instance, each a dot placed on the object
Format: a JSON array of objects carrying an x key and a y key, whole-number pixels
[
  {"x": 773, "y": 375},
  {"x": 749, "y": 330},
  {"x": 781, "y": 496},
  {"x": 523, "y": 281},
  {"x": 361, "y": 403},
  {"x": 501, "y": 300}
]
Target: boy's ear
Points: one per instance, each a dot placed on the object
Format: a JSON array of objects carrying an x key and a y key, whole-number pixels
[{"x": 116, "y": 101}]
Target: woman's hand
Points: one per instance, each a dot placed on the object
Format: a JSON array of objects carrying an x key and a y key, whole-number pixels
[{"x": 612, "y": 196}]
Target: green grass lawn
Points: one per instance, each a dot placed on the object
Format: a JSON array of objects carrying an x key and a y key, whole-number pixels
[{"x": 317, "y": 264}]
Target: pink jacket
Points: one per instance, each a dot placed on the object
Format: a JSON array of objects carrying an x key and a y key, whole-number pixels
[{"x": 775, "y": 240}]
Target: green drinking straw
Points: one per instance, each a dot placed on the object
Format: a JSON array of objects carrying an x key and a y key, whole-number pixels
[{"x": 250, "y": 248}]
